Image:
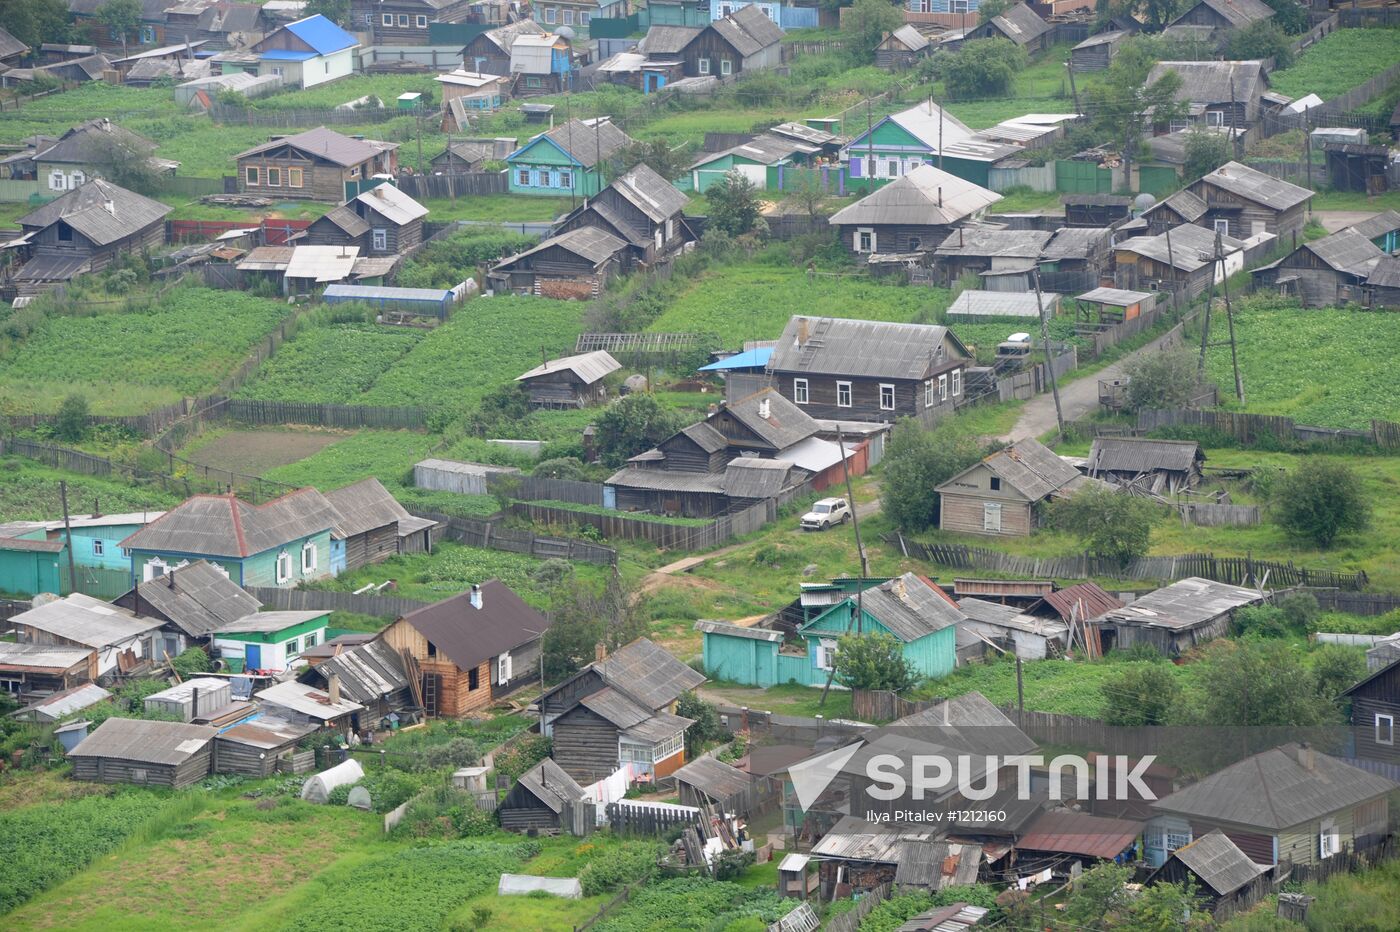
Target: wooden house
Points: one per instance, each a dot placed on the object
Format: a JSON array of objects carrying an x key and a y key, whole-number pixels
[
  {"x": 84, "y": 231},
  {"x": 570, "y": 382},
  {"x": 901, "y": 49},
  {"x": 1181, "y": 259},
  {"x": 1009, "y": 628},
  {"x": 1325, "y": 272},
  {"x": 1244, "y": 202},
  {"x": 318, "y": 165},
  {"x": 1216, "y": 94},
  {"x": 461, "y": 157},
  {"x": 373, "y": 526},
  {"x": 912, "y": 214},
  {"x": 474, "y": 93},
  {"x": 745, "y": 40},
  {"x": 1176, "y": 210},
  {"x": 753, "y": 159},
  {"x": 1383, "y": 284},
  {"x": 283, "y": 542},
  {"x": 1176, "y": 618},
  {"x": 470, "y": 650},
  {"x": 620, "y": 710},
  {"x": 260, "y": 748},
  {"x": 1215, "y": 20},
  {"x": 405, "y": 22},
  {"x": 926, "y": 134},
  {"x": 121, "y": 639},
  {"x": 1288, "y": 804},
  {"x": 1215, "y": 866},
  {"x": 1161, "y": 467},
  {"x": 490, "y": 51},
  {"x": 30, "y": 669},
  {"x": 537, "y": 801},
  {"x": 639, "y": 207},
  {"x": 1003, "y": 258},
  {"x": 1375, "y": 707},
  {"x": 578, "y": 14},
  {"x": 1382, "y": 229},
  {"x": 303, "y": 54},
  {"x": 1076, "y": 253},
  {"x": 11, "y": 49},
  {"x": 569, "y": 160},
  {"x": 857, "y": 856},
  {"x": 194, "y": 601},
  {"x": 1096, "y": 210},
  {"x": 395, "y": 220},
  {"x": 1017, "y": 24},
  {"x": 1071, "y": 837},
  {"x": 1096, "y": 52},
  {"x": 371, "y": 673},
  {"x": 709, "y": 781},
  {"x": 574, "y": 265},
  {"x": 1000, "y": 494},
  {"x": 862, "y": 370},
  {"x": 145, "y": 753},
  {"x": 269, "y": 641},
  {"x": 540, "y": 65},
  {"x": 93, "y": 149}
]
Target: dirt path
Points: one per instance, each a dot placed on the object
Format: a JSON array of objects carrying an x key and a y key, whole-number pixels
[
  {"x": 1334, "y": 220},
  {"x": 1077, "y": 399}
]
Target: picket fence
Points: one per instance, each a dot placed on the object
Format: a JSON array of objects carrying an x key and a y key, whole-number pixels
[
  {"x": 637, "y": 818},
  {"x": 1239, "y": 571}
]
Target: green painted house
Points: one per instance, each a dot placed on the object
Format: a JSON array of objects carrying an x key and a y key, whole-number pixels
[
  {"x": 568, "y": 161},
  {"x": 752, "y": 159},
  {"x": 269, "y": 641},
  {"x": 281, "y": 543},
  {"x": 903, "y": 141},
  {"x": 912, "y": 609},
  {"x": 29, "y": 563}
]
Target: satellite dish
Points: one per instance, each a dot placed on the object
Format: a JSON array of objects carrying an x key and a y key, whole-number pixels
[
  {"x": 566, "y": 32},
  {"x": 1144, "y": 201}
]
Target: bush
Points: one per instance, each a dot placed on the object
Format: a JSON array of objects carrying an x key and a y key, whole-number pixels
[
  {"x": 1161, "y": 380},
  {"x": 982, "y": 68},
  {"x": 707, "y": 728},
  {"x": 874, "y": 661},
  {"x": 918, "y": 460},
  {"x": 612, "y": 867},
  {"x": 521, "y": 755},
  {"x": 71, "y": 424},
  {"x": 1319, "y": 501},
  {"x": 1141, "y": 695},
  {"x": 1112, "y": 524},
  {"x": 633, "y": 425}
]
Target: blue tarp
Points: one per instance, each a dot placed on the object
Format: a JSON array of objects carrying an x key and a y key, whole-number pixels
[{"x": 748, "y": 359}]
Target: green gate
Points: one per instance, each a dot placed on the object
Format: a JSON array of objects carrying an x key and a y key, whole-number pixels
[
  {"x": 1082, "y": 178},
  {"x": 1158, "y": 180}
]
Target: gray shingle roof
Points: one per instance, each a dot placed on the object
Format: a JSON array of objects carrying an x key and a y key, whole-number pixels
[
  {"x": 10, "y": 46},
  {"x": 1132, "y": 454},
  {"x": 1238, "y": 13},
  {"x": 85, "y": 620},
  {"x": 765, "y": 148},
  {"x": 99, "y": 210},
  {"x": 1184, "y": 604},
  {"x": 1254, "y": 185},
  {"x": 984, "y": 242},
  {"x": 925, "y": 196},
  {"x": 82, "y": 144},
  {"x": 548, "y": 783},
  {"x": 714, "y": 778},
  {"x": 1187, "y": 205},
  {"x": 748, "y": 29},
  {"x": 364, "y": 506},
  {"x": 616, "y": 707},
  {"x": 326, "y": 144},
  {"x": 650, "y": 193},
  {"x": 591, "y": 243},
  {"x": 785, "y": 425},
  {"x": 345, "y": 218},
  {"x": 589, "y": 367},
  {"x": 169, "y": 743},
  {"x": 647, "y": 673},
  {"x": 1191, "y": 246},
  {"x": 910, "y": 607},
  {"x": 504, "y": 37},
  {"x": 1219, "y": 862},
  {"x": 224, "y": 526},
  {"x": 1274, "y": 790},
  {"x": 1077, "y": 243},
  {"x": 751, "y": 477},
  {"x": 1208, "y": 82},
  {"x": 1386, "y": 274},
  {"x": 1379, "y": 225},
  {"x": 589, "y": 144},
  {"x": 198, "y": 598},
  {"x": 869, "y": 348},
  {"x": 1031, "y": 468},
  {"x": 1020, "y": 24},
  {"x": 667, "y": 40}
]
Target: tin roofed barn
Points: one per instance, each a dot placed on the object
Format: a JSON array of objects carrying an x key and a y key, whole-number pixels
[{"x": 123, "y": 750}]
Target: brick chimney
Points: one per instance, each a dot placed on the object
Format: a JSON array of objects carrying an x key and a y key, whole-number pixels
[
  {"x": 600, "y": 651},
  {"x": 1307, "y": 756},
  {"x": 802, "y": 332}
]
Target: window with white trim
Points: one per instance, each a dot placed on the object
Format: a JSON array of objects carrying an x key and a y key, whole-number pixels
[
  {"x": 566, "y": 178},
  {"x": 98, "y": 547},
  {"x": 865, "y": 239},
  {"x": 826, "y": 653},
  {"x": 58, "y": 181},
  {"x": 634, "y": 753},
  {"x": 1215, "y": 118},
  {"x": 1177, "y": 840},
  {"x": 991, "y": 517},
  {"x": 726, "y": 66},
  {"x": 664, "y": 749},
  {"x": 308, "y": 557},
  {"x": 1222, "y": 227},
  {"x": 154, "y": 569},
  {"x": 568, "y": 17},
  {"x": 550, "y": 15},
  {"x": 843, "y": 394},
  {"x": 274, "y": 177},
  {"x": 504, "y": 668},
  {"x": 957, "y": 382},
  {"x": 928, "y": 393},
  {"x": 284, "y": 567},
  {"x": 403, "y": 20},
  {"x": 381, "y": 239},
  {"x": 799, "y": 391},
  {"x": 388, "y": 19},
  {"x": 1329, "y": 840},
  {"x": 421, "y": 22},
  {"x": 1385, "y": 729},
  {"x": 251, "y": 175},
  {"x": 703, "y": 65},
  {"x": 294, "y": 177},
  {"x": 886, "y": 396},
  {"x": 943, "y": 387}
]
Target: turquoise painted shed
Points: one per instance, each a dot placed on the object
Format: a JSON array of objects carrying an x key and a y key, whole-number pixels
[{"x": 29, "y": 564}]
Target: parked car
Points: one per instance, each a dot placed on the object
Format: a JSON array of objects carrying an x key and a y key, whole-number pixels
[{"x": 825, "y": 513}]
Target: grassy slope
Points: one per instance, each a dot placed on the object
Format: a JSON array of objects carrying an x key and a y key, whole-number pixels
[
  {"x": 30, "y": 492},
  {"x": 1339, "y": 62}
]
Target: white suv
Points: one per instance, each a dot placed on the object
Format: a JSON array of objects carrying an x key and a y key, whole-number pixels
[{"x": 825, "y": 513}]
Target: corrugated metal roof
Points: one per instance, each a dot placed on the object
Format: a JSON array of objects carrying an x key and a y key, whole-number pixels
[
  {"x": 267, "y": 259},
  {"x": 1254, "y": 185},
  {"x": 927, "y": 122},
  {"x": 1191, "y": 247},
  {"x": 1030, "y": 467},
  {"x": 1116, "y": 297},
  {"x": 1386, "y": 274},
  {"x": 650, "y": 193},
  {"x": 307, "y": 701},
  {"x": 185, "y": 690},
  {"x": 469, "y": 469},
  {"x": 975, "y": 303},
  {"x": 322, "y": 263},
  {"x": 969, "y": 723},
  {"x": 935, "y": 865},
  {"x": 1274, "y": 790},
  {"x": 615, "y": 707},
  {"x": 65, "y": 703},
  {"x": 367, "y": 672},
  {"x": 321, "y": 34},
  {"x": 464, "y": 78},
  {"x": 86, "y": 620},
  {"x": 1141, "y": 454},
  {"x": 169, "y": 743},
  {"x": 1378, "y": 225},
  {"x": 41, "y": 656},
  {"x": 587, "y": 142},
  {"x": 647, "y": 673},
  {"x": 662, "y": 480},
  {"x": 99, "y": 210},
  {"x": 748, "y": 29},
  {"x": 910, "y": 607},
  {"x": 1239, "y": 13},
  {"x": 1208, "y": 82},
  {"x": 1219, "y": 862},
  {"x": 589, "y": 367},
  {"x": 1066, "y": 832},
  {"x": 85, "y": 143},
  {"x": 267, "y": 733},
  {"x": 667, "y": 40},
  {"x": 1347, "y": 251},
  {"x": 590, "y": 243},
  {"x": 197, "y": 598},
  {"x": 1006, "y": 616},
  {"x": 853, "y": 839},
  {"x": 365, "y": 506},
  {"x": 738, "y": 631},
  {"x": 925, "y": 196},
  {"x": 1184, "y": 604},
  {"x": 327, "y": 144},
  {"x": 347, "y": 220},
  {"x": 1077, "y": 243},
  {"x": 804, "y": 133},
  {"x": 714, "y": 778},
  {"x": 658, "y": 727},
  {"x": 748, "y": 359},
  {"x": 391, "y": 203},
  {"x": 224, "y": 526},
  {"x": 869, "y": 348},
  {"x": 989, "y": 242},
  {"x": 1086, "y": 601},
  {"x": 385, "y": 292},
  {"x": 269, "y": 622},
  {"x": 504, "y": 37},
  {"x": 766, "y": 149},
  {"x": 909, "y": 37},
  {"x": 949, "y": 918},
  {"x": 1104, "y": 38},
  {"x": 548, "y": 783},
  {"x": 752, "y": 477},
  {"x": 1020, "y": 24}
]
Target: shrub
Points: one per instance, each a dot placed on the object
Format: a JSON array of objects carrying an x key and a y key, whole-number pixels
[
  {"x": 628, "y": 862},
  {"x": 1141, "y": 695},
  {"x": 707, "y": 727},
  {"x": 1161, "y": 380},
  {"x": 71, "y": 424},
  {"x": 1318, "y": 501},
  {"x": 917, "y": 460},
  {"x": 1111, "y": 523},
  {"x": 874, "y": 661},
  {"x": 632, "y": 425},
  {"x": 983, "y": 68}
]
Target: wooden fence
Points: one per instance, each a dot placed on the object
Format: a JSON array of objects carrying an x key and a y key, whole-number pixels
[
  {"x": 850, "y": 922},
  {"x": 611, "y": 906},
  {"x": 538, "y": 488},
  {"x": 480, "y": 532},
  {"x": 148, "y": 424},
  {"x": 1248, "y": 429},
  {"x": 881, "y": 705},
  {"x": 1209, "y": 514},
  {"x": 1334, "y": 112},
  {"x": 646, "y": 343},
  {"x": 1355, "y": 603},
  {"x": 273, "y": 232},
  {"x": 463, "y": 184},
  {"x": 1239, "y": 571},
  {"x": 637, "y": 818},
  {"x": 329, "y": 600},
  {"x": 250, "y": 411},
  {"x": 688, "y": 537}
]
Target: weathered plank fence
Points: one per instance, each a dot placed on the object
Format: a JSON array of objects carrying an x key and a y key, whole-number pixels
[
  {"x": 850, "y": 922},
  {"x": 481, "y": 532},
  {"x": 631, "y": 817},
  {"x": 881, "y": 705},
  {"x": 1208, "y": 514},
  {"x": 251, "y": 411},
  {"x": 619, "y": 525},
  {"x": 1248, "y": 428},
  {"x": 460, "y": 184},
  {"x": 328, "y": 600}
]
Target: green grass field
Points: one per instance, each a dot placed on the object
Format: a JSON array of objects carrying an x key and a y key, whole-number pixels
[
  {"x": 499, "y": 208},
  {"x": 331, "y": 364},
  {"x": 30, "y": 492},
  {"x": 1339, "y": 62}
]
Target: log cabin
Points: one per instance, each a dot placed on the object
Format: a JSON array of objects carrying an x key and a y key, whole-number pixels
[
  {"x": 1001, "y": 494},
  {"x": 745, "y": 40},
  {"x": 1176, "y": 618},
  {"x": 1243, "y": 202},
  {"x": 261, "y": 747},
  {"x": 1017, "y": 24},
  {"x": 490, "y": 51},
  {"x": 570, "y": 382},
  {"x": 1325, "y": 272},
  {"x": 642, "y": 209},
  {"x": 1219, "y": 870},
  {"x": 374, "y": 526},
  {"x": 1375, "y": 708},
  {"x": 913, "y": 213},
  {"x": 39, "y": 669},
  {"x": 1220, "y": 94},
  {"x": 194, "y": 600},
  {"x": 1180, "y": 259},
  {"x": 470, "y": 650},
  {"x": 145, "y": 753},
  {"x": 901, "y": 49},
  {"x": 121, "y": 639},
  {"x": 371, "y": 674},
  {"x": 575, "y": 265},
  {"x": 537, "y": 801},
  {"x": 318, "y": 165}
]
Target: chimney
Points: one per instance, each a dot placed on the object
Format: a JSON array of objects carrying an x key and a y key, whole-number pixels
[
  {"x": 801, "y": 331},
  {"x": 600, "y": 651},
  {"x": 1307, "y": 756},
  {"x": 476, "y": 596},
  {"x": 194, "y": 702},
  {"x": 333, "y": 688},
  {"x": 764, "y": 409},
  {"x": 170, "y": 578},
  {"x": 96, "y": 511},
  {"x": 110, "y": 206}
]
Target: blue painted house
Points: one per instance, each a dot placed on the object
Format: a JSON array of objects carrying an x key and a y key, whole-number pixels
[
  {"x": 567, "y": 160},
  {"x": 280, "y": 543},
  {"x": 29, "y": 563},
  {"x": 786, "y": 15},
  {"x": 910, "y": 608}
]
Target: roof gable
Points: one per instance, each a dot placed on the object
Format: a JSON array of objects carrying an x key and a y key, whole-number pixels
[
  {"x": 224, "y": 526},
  {"x": 321, "y": 35},
  {"x": 101, "y": 211},
  {"x": 469, "y": 636},
  {"x": 926, "y": 196},
  {"x": 1254, "y": 185},
  {"x": 909, "y": 607}
]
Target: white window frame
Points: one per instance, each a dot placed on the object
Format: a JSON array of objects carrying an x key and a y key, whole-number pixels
[
  {"x": 308, "y": 557},
  {"x": 421, "y": 21},
  {"x": 1385, "y": 725},
  {"x": 991, "y": 517},
  {"x": 308, "y": 641},
  {"x": 883, "y": 394},
  {"x": 568, "y": 17},
  {"x": 800, "y": 391},
  {"x": 389, "y": 19},
  {"x": 1215, "y": 118},
  {"x": 1329, "y": 839},
  {"x": 826, "y": 653},
  {"x": 703, "y": 65},
  {"x": 957, "y": 382},
  {"x": 928, "y": 393},
  {"x": 295, "y": 178},
  {"x": 284, "y": 567},
  {"x": 551, "y": 15},
  {"x": 862, "y": 235},
  {"x": 403, "y": 20},
  {"x": 1174, "y": 840},
  {"x": 77, "y": 179},
  {"x": 843, "y": 389},
  {"x": 252, "y": 176},
  {"x": 943, "y": 387},
  {"x": 98, "y": 547},
  {"x": 726, "y": 67},
  {"x": 380, "y": 239},
  {"x": 566, "y": 178},
  {"x": 1222, "y": 227},
  {"x": 583, "y": 17},
  {"x": 668, "y": 747},
  {"x": 58, "y": 181},
  {"x": 522, "y": 177},
  {"x": 505, "y": 667},
  {"x": 892, "y": 168}
]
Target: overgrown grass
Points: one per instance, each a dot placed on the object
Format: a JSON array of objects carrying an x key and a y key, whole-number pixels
[
  {"x": 1338, "y": 62},
  {"x": 499, "y": 208},
  {"x": 30, "y": 492},
  {"x": 333, "y": 364}
]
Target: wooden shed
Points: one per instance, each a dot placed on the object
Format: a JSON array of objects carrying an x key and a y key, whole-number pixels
[
  {"x": 1177, "y": 617},
  {"x": 453, "y": 476},
  {"x": 709, "y": 781},
  {"x": 576, "y": 264},
  {"x": 1375, "y": 708},
  {"x": 263, "y": 746},
  {"x": 1159, "y": 467},
  {"x": 997, "y": 495},
  {"x": 373, "y": 525},
  {"x": 1117, "y": 304},
  {"x": 1220, "y": 871},
  {"x": 125, "y": 750},
  {"x": 536, "y": 803},
  {"x": 901, "y": 49},
  {"x": 192, "y": 698},
  {"x": 26, "y": 669},
  {"x": 571, "y": 381},
  {"x": 1096, "y": 52}
]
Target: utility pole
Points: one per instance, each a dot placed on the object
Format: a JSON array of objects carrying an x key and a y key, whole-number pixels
[
  {"x": 1072, "y": 89},
  {"x": 1205, "y": 323},
  {"x": 869, "y": 155},
  {"x": 1020, "y": 689},
  {"x": 1171, "y": 261},
  {"x": 451, "y": 182},
  {"x": 860, "y": 548},
  {"x": 1049, "y": 356},
  {"x": 1234, "y": 135},
  {"x": 940, "y": 134},
  {"x": 1229, "y": 319},
  {"x": 68, "y": 533}
]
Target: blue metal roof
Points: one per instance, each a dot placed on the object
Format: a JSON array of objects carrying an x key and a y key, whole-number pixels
[
  {"x": 748, "y": 359},
  {"x": 286, "y": 55},
  {"x": 321, "y": 34}
]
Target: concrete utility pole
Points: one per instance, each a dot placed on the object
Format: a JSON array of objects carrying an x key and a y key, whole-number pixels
[
  {"x": 860, "y": 548},
  {"x": 1049, "y": 356}
]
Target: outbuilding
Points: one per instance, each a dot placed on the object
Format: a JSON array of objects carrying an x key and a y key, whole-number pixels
[
  {"x": 120, "y": 638},
  {"x": 269, "y": 641},
  {"x": 1158, "y": 467},
  {"x": 1215, "y": 865},
  {"x": 262, "y": 746},
  {"x": 191, "y": 699},
  {"x": 708, "y": 781},
  {"x": 1177, "y": 617},
  {"x": 999, "y": 495},
  {"x": 146, "y": 753},
  {"x": 901, "y": 49},
  {"x": 26, "y": 669},
  {"x": 453, "y": 476},
  {"x": 538, "y": 799},
  {"x": 571, "y": 381},
  {"x": 423, "y": 302}
]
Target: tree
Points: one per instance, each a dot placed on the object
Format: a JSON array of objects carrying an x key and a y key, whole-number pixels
[
  {"x": 873, "y": 661},
  {"x": 1155, "y": 14},
  {"x": 707, "y": 726},
  {"x": 988, "y": 10},
  {"x": 1290, "y": 15},
  {"x": 632, "y": 425},
  {"x": 337, "y": 11},
  {"x": 734, "y": 205},
  {"x": 1119, "y": 104},
  {"x": 918, "y": 460},
  {"x": 71, "y": 424},
  {"x": 35, "y": 22},
  {"x": 583, "y": 618},
  {"x": 1258, "y": 41},
  {"x": 1161, "y": 380},
  {"x": 1097, "y": 894},
  {"x": 1205, "y": 152},
  {"x": 869, "y": 21},
  {"x": 1254, "y": 683},
  {"x": 121, "y": 17},
  {"x": 1112, "y": 524},
  {"x": 806, "y": 194},
  {"x": 1319, "y": 500},
  {"x": 982, "y": 68},
  {"x": 659, "y": 156},
  {"x": 1162, "y": 907},
  {"x": 1143, "y": 694},
  {"x": 504, "y": 406},
  {"x": 1336, "y": 668}
]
